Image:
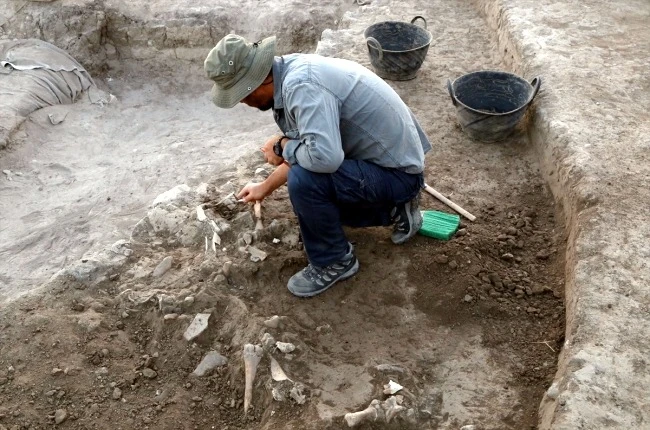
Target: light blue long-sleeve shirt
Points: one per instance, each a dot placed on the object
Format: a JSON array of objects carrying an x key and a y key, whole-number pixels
[{"x": 336, "y": 109}]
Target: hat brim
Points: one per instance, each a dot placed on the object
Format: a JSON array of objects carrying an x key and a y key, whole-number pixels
[{"x": 260, "y": 67}]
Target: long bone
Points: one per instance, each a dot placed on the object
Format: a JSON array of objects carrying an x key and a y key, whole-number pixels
[
  {"x": 372, "y": 413},
  {"x": 252, "y": 356}
]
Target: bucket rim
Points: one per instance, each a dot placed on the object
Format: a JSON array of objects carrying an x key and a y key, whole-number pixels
[
  {"x": 365, "y": 35},
  {"x": 530, "y": 99}
]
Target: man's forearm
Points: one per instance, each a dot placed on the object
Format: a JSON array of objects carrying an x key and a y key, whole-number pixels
[{"x": 277, "y": 178}]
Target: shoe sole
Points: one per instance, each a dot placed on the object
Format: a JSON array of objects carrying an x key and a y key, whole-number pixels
[
  {"x": 350, "y": 273},
  {"x": 414, "y": 229}
]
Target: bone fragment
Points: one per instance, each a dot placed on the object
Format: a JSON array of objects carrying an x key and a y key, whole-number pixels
[
  {"x": 277, "y": 373},
  {"x": 200, "y": 213},
  {"x": 297, "y": 394},
  {"x": 256, "y": 254},
  {"x": 268, "y": 342},
  {"x": 392, "y": 407},
  {"x": 371, "y": 413},
  {"x": 252, "y": 356},
  {"x": 285, "y": 348},
  {"x": 392, "y": 387}
]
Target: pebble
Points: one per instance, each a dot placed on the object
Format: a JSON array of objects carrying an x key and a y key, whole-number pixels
[
  {"x": 461, "y": 232},
  {"x": 519, "y": 292},
  {"x": 149, "y": 374},
  {"x": 189, "y": 300},
  {"x": 273, "y": 322},
  {"x": 117, "y": 394},
  {"x": 267, "y": 341},
  {"x": 163, "y": 267},
  {"x": 468, "y": 298},
  {"x": 170, "y": 317},
  {"x": 543, "y": 255},
  {"x": 512, "y": 231},
  {"x": 468, "y": 427},
  {"x": 219, "y": 279},
  {"x": 56, "y": 371},
  {"x": 211, "y": 361},
  {"x": 60, "y": 415},
  {"x": 453, "y": 264},
  {"x": 508, "y": 256},
  {"x": 441, "y": 259}
]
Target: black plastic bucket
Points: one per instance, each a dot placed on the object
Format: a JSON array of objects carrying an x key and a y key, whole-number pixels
[
  {"x": 397, "y": 49},
  {"x": 489, "y": 104}
]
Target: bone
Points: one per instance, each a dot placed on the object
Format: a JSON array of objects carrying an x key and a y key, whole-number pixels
[
  {"x": 200, "y": 213},
  {"x": 252, "y": 356},
  {"x": 392, "y": 407},
  {"x": 370, "y": 414},
  {"x": 277, "y": 373},
  {"x": 285, "y": 348},
  {"x": 392, "y": 387}
]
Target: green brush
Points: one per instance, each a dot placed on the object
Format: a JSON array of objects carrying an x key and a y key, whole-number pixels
[{"x": 439, "y": 225}]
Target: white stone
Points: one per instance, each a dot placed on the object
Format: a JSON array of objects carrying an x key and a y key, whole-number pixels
[{"x": 178, "y": 194}]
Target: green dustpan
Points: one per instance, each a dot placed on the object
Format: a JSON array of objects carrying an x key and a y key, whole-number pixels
[{"x": 439, "y": 225}]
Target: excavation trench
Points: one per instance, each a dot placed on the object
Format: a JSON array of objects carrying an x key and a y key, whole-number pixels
[{"x": 471, "y": 328}]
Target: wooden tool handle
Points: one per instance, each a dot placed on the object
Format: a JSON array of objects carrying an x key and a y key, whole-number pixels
[
  {"x": 449, "y": 203},
  {"x": 258, "y": 209}
]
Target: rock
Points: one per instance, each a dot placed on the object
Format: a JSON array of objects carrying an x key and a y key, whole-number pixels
[
  {"x": 285, "y": 348},
  {"x": 324, "y": 329},
  {"x": 189, "y": 301},
  {"x": 291, "y": 239},
  {"x": 179, "y": 195},
  {"x": 519, "y": 292},
  {"x": 273, "y": 322},
  {"x": 468, "y": 298},
  {"x": 247, "y": 238},
  {"x": 149, "y": 373},
  {"x": 512, "y": 231},
  {"x": 117, "y": 394},
  {"x": 198, "y": 326},
  {"x": 543, "y": 255},
  {"x": 260, "y": 171},
  {"x": 441, "y": 259},
  {"x": 243, "y": 221},
  {"x": 453, "y": 264},
  {"x": 226, "y": 268},
  {"x": 256, "y": 254},
  {"x": 56, "y": 371},
  {"x": 553, "y": 391},
  {"x": 267, "y": 341},
  {"x": 163, "y": 267},
  {"x": 508, "y": 256},
  {"x": 211, "y": 361},
  {"x": 60, "y": 415},
  {"x": 468, "y": 427},
  {"x": 219, "y": 279},
  {"x": 494, "y": 279},
  {"x": 297, "y": 395},
  {"x": 461, "y": 232}
]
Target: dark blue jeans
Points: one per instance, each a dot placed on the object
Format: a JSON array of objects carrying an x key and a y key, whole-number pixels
[{"x": 358, "y": 194}]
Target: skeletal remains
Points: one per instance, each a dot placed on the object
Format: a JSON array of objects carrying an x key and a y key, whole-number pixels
[
  {"x": 376, "y": 411},
  {"x": 252, "y": 357}
]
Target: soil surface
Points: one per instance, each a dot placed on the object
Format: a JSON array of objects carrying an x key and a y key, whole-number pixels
[{"x": 471, "y": 327}]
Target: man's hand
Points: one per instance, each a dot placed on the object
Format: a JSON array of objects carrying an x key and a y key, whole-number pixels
[
  {"x": 253, "y": 192},
  {"x": 269, "y": 155}
]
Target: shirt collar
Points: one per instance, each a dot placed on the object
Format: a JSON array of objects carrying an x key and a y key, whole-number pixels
[{"x": 278, "y": 73}]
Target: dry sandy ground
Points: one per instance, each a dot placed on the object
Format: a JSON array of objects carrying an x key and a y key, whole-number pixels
[{"x": 471, "y": 327}]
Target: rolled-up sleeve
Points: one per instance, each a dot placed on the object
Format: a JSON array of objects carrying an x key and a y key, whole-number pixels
[{"x": 318, "y": 147}]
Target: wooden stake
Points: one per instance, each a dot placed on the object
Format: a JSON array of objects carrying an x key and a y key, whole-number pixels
[{"x": 449, "y": 203}]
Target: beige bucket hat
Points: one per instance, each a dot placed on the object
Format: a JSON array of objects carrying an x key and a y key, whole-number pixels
[{"x": 238, "y": 67}]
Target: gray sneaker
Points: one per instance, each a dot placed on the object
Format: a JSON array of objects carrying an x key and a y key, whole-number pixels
[
  {"x": 407, "y": 219},
  {"x": 313, "y": 280}
]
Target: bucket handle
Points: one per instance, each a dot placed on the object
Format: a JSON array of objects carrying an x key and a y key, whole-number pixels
[
  {"x": 374, "y": 43},
  {"x": 536, "y": 83},
  {"x": 423, "y": 20},
  {"x": 450, "y": 88}
]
